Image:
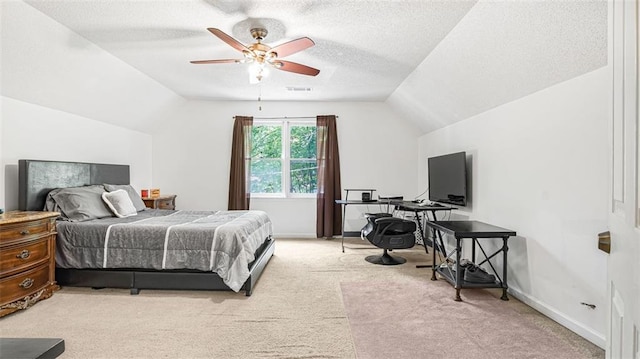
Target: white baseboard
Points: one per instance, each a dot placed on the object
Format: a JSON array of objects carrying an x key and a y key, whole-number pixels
[{"x": 598, "y": 339}]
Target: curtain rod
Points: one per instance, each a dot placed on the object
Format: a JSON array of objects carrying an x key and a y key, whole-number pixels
[{"x": 282, "y": 117}]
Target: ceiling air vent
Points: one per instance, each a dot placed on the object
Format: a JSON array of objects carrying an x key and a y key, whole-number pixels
[{"x": 299, "y": 89}]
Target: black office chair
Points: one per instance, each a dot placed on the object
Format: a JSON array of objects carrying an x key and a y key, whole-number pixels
[{"x": 388, "y": 233}]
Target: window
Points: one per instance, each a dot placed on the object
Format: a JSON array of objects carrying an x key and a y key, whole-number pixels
[{"x": 283, "y": 159}]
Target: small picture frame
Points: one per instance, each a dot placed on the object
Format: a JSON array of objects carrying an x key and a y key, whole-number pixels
[{"x": 155, "y": 192}]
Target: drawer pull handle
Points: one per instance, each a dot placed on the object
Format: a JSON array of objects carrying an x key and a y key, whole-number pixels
[
  {"x": 27, "y": 283},
  {"x": 24, "y": 254},
  {"x": 25, "y": 232}
]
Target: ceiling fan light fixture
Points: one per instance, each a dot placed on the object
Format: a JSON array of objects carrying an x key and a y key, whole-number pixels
[
  {"x": 255, "y": 80},
  {"x": 257, "y": 71}
]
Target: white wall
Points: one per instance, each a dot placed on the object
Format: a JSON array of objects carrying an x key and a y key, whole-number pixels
[
  {"x": 539, "y": 167},
  {"x": 45, "y": 63},
  {"x": 35, "y": 132},
  {"x": 192, "y": 149}
]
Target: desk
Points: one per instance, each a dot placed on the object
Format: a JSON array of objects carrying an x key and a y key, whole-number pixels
[
  {"x": 408, "y": 206},
  {"x": 418, "y": 208},
  {"x": 474, "y": 230}
]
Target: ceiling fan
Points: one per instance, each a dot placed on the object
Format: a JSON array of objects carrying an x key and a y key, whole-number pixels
[{"x": 261, "y": 54}]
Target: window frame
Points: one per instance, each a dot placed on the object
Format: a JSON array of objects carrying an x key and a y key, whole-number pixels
[{"x": 285, "y": 156}]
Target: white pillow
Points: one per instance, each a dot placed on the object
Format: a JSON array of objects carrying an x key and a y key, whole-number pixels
[
  {"x": 119, "y": 203},
  {"x": 133, "y": 194}
]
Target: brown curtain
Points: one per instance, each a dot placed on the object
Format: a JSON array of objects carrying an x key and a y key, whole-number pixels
[
  {"x": 239, "y": 183},
  {"x": 329, "y": 216}
]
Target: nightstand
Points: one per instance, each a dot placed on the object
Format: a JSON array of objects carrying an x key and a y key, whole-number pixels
[
  {"x": 27, "y": 259},
  {"x": 162, "y": 202}
]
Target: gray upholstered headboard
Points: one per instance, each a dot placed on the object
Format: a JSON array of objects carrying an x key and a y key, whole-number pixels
[{"x": 37, "y": 178}]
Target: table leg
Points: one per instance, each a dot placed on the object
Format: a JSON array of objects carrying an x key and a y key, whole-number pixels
[
  {"x": 437, "y": 235},
  {"x": 458, "y": 279},
  {"x": 344, "y": 212},
  {"x": 424, "y": 240},
  {"x": 420, "y": 230},
  {"x": 434, "y": 267},
  {"x": 505, "y": 249},
  {"x": 473, "y": 249}
]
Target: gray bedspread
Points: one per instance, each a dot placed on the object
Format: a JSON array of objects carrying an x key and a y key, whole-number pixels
[{"x": 223, "y": 242}]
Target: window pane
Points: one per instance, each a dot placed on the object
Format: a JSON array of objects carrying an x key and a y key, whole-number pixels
[
  {"x": 303, "y": 141},
  {"x": 303, "y": 176},
  {"x": 266, "y": 141},
  {"x": 266, "y": 176}
]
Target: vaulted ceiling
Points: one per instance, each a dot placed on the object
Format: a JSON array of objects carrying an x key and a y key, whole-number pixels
[{"x": 437, "y": 61}]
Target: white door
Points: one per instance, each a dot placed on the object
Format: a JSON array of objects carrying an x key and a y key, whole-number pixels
[{"x": 623, "y": 337}]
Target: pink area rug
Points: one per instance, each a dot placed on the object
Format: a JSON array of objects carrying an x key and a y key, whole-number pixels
[{"x": 420, "y": 319}]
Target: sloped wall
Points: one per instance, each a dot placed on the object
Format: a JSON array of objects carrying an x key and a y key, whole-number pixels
[
  {"x": 502, "y": 51},
  {"x": 47, "y": 64},
  {"x": 66, "y": 99},
  {"x": 35, "y": 132}
]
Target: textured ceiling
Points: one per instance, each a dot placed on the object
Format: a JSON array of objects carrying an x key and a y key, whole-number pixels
[
  {"x": 435, "y": 61},
  {"x": 502, "y": 51},
  {"x": 364, "y": 49}
]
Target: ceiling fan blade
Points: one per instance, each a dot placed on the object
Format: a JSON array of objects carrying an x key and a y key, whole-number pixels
[
  {"x": 229, "y": 40},
  {"x": 293, "y": 46},
  {"x": 223, "y": 61},
  {"x": 297, "y": 68}
]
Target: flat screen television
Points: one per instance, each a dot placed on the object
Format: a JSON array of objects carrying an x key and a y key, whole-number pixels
[{"x": 448, "y": 179}]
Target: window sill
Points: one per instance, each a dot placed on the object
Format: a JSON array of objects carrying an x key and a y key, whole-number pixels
[{"x": 282, "y": 197}]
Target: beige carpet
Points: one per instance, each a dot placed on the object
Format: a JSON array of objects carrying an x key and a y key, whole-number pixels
[
  {"x": 400, "y": 319},
  {"x": 296, "y": 311}
]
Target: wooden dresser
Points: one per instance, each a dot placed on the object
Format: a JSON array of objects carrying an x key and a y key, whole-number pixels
[
  {"x": 162, "y": 202},
  {"x": 27, "y": 259}
]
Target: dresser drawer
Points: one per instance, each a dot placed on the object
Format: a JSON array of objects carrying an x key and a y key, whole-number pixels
[
  {"x": 22, "y": 284},
  {"x": 20, "y": 257},
  {"x": 25, "y": 230}
]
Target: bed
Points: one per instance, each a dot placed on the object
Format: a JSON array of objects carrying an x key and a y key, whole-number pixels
[{"x": 151, "y": 249}]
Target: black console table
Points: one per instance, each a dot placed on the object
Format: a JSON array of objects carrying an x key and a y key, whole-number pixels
[{"x": 474, "y": 230}]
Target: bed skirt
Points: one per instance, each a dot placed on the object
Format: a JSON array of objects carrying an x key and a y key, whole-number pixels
[{"x": 136, "y": 279}]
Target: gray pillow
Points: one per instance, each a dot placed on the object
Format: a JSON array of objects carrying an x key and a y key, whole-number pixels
[
  {"x": 49, "y": 204},
  {"x": 81, "y": 203},
  {"x": 133, "y": 194}
]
